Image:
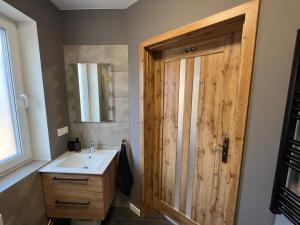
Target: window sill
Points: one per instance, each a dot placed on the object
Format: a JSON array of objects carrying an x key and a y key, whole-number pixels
[{"x": 20, "y": 173}]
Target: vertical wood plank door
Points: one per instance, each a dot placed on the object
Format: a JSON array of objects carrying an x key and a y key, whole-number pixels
[
  {"x": 171, "y": 96},
  {"x": 202, "y": 104},
  {"x": 194, "y": 92}
]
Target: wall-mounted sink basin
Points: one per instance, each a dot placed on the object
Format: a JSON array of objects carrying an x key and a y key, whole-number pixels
[{"x": 83, "y": 162}]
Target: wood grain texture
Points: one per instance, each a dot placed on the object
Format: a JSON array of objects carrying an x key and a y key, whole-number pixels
[
  {"x": 179, "y": 217},
  {"x": 158, "y": 126},
  {"x": 97, "y": 192},
  {"x": 170, "y": 129},
  {"x": 216, "y": 183},
  {"x": 204, "y": 50},
  {"x": 241, "y": 18},
  {"x": 146, "y": 173},
  {"x": 94, "y": 183},
  {"x": 109, "y": 185},
  {"x": 151, "y": 124},
  {"x": 186, "y": 133},
  {"x": 79, "y": 192},
  {"x": 206, "y": 173},
  {"x": 204, "y": 36}
]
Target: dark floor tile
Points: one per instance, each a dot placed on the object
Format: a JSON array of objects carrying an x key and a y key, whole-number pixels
[
  {"x": 122, "y": 213},
  {"x": 138, "y": 222},
  {"x": 155, "y": 216},
  {"x": 61, "y": 221},
  {"x": 124, "y": 216}
]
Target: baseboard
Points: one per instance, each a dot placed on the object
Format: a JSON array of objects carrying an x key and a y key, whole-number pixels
[{"x": 134, "y": 209}]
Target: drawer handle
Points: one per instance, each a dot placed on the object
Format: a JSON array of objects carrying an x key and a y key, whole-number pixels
[
  {"x": 72, "y": 203},
  {"x": 70, "y": 179}
]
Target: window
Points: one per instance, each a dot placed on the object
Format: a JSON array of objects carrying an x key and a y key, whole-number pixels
[
  {"x": 11, "y": 145},
  {"x": 14, "y": 135}
]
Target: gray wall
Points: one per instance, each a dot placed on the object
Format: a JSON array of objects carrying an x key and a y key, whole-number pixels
[
  {"x": 92, "y": 27},
  {"x": 279, "y": 20},
  {"x": 23, "y": 203}
]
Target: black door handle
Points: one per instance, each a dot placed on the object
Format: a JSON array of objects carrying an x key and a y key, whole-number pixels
[{"x": 225, "y": 147}]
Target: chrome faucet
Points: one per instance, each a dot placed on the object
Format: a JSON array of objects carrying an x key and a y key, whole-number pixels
[{"x": 92, "y": 147}]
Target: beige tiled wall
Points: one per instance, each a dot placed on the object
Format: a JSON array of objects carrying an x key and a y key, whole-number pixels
[{"x": 105, "y": 135}]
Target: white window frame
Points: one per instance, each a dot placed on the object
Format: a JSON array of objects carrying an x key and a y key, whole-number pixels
[{"x": 18, "y": 83}]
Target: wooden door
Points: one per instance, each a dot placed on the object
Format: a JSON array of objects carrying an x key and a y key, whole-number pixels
[{"x": 203, "y": 104}]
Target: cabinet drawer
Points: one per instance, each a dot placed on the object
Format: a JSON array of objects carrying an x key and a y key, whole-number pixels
[
  {"x": 73, "y": 196},
  {"x": 72, "y": 182},
  {"x": 84, "y": 205}
]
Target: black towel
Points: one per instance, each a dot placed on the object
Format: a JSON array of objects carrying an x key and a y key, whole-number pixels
[{"x": 125, "y": 177}]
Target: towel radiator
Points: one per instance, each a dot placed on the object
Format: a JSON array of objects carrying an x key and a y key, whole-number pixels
[{"x": 285, "y": 199}]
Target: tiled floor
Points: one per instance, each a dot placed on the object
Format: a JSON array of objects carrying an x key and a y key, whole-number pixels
[{"x": 124, "y": 216}]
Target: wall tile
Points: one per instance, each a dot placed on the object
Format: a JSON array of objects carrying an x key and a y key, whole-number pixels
[
  {"x": 105, "y": 133},
  {"x": 70, "y": 55},
  {"x": 121, "y": 110},
  {"x": 108, "y": 147},
  {"x": 120, "y": 84},
  {"x": 117, "y": 55}
]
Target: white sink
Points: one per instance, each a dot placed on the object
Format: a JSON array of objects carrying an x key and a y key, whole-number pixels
[{"x": 83, "y": 162}]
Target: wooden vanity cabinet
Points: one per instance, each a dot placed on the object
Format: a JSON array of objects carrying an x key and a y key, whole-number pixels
[{"x": 79, "y": 196}]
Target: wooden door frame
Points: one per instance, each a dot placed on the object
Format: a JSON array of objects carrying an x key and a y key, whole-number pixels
[{"x": 150, "y": 92}]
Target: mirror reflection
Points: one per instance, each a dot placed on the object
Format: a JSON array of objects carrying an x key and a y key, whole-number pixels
[{"x": 94, "y": 92}]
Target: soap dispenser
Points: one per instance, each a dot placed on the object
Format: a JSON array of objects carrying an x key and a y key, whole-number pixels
[{"x": 77, "y": 145}]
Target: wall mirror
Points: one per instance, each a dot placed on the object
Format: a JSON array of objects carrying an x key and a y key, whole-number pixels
[{"x": 93, "y": 93}]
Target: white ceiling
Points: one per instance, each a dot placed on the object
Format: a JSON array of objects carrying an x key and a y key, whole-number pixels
[{"x": 92, "y": 4}]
